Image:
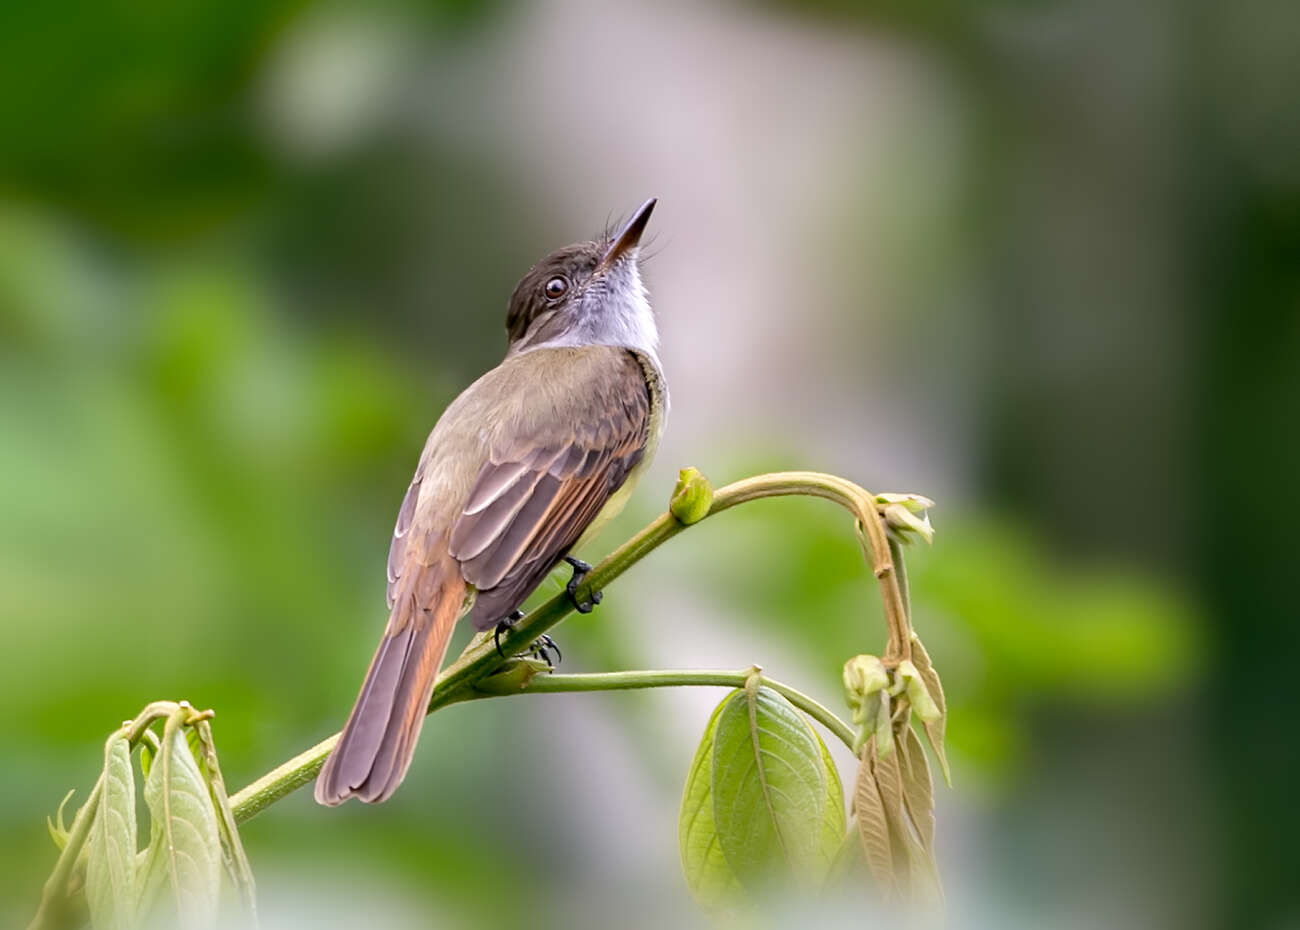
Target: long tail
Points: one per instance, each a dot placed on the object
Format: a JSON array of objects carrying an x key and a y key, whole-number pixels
[{"x": 378, "y": 741}]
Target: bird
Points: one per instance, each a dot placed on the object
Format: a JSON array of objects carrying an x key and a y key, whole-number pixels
[{"x": 521, "y": 470}]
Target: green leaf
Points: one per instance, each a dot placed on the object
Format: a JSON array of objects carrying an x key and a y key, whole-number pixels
[
  {"x": 833, "y": 822},
  {"x": 769, "y": 789},
  {"x": 708, "y": 875},
  {"x": 150, "y": 871},
  {"x": 111, "y": 846},
  {"x": 186, "y": 839},
  {"x": 148, "y": 749},
  {"x": 58, "y": 830},
  {"x": 762, "y": 800},
  {"x": 934, "y": 689}
]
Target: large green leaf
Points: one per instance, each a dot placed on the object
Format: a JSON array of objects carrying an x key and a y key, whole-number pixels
[
  {"x": 833, "y": 822},
  {"x": 763, "y": 800},
  {"x": 769, "y": 789},
  {"x": 111, "y": 846},
  {"x": 708, "y": 875},
  {"x": 186, "y": 845}
]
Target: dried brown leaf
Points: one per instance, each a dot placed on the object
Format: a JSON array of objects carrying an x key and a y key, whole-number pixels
[
  {"x": 918, "y": 788},
  {"x": 903, "y": 847},
  {"x": 873, "y": 824}
]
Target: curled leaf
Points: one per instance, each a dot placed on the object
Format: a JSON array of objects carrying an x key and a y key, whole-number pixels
[
  {"x": 934, "y": 688},
  {"x": 58, "y": 830},
  {"x": 918, "y": 694},
  {"x": 186, "y": 836},
  {"x": 111, "y": 846}
]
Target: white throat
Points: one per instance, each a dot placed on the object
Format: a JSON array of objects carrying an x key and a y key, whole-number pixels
[{"x": 614, "y": 311}]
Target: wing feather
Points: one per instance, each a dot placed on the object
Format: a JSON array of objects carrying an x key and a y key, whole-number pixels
[{"x": 533, "y": 499}]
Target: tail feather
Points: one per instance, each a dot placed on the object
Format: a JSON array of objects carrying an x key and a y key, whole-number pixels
[{"x": 378, "y": 741}]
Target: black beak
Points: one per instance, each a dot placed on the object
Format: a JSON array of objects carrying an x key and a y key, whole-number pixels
[{"x": 628, "y": 237}]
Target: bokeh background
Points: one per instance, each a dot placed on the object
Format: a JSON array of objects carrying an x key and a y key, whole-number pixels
[{"x": 1037, "y": 260}]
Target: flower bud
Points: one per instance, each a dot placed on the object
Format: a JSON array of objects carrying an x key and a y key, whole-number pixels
[
  {"x": 692, "y": 497},
  {"x": 907, "y": 512}
]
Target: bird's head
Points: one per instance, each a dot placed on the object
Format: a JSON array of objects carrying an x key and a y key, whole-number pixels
[{"x": 589, "y": 293}]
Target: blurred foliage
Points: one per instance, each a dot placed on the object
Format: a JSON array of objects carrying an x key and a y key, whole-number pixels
[{"x": 139, "y": 116}]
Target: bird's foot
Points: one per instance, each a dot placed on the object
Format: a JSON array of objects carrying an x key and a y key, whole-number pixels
[
  {"x": 503, "y": 626},
  {"x": 580, "y": 571},
  {"x": 542, "y": 647}
]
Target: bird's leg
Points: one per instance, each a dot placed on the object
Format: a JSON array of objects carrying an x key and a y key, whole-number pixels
[
  {"x": 580, "y": 571},
  {"x": 503, "y": 626},
  {"x": 542, "y": 647}
]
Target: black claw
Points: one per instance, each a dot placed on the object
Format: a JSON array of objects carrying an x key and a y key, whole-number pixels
[
  {"x": 502, "y": 627},
  {"x": 542, "y": 647},
  {"x": 579, "y": 567},
  {"x": 580, "y": 571}
]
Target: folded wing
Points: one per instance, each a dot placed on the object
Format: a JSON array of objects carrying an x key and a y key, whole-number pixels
[{"x": 542, "y": 487}]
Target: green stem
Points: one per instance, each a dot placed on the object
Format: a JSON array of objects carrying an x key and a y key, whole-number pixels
[
  {"x": 673, "y": 678},
  {"x": 481, "y": 658},
  {"x": 904, "y": 592}
]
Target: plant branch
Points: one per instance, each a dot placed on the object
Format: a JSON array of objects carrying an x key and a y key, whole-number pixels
[
  {"x": 480, "y": 658},
  {"x": 547, "y": 683}
]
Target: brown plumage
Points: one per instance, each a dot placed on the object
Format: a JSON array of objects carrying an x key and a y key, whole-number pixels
[{"x": 532, "y": 457}]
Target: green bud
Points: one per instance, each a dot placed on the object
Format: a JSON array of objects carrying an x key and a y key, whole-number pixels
[
  {"x": 917, "y": 693},
  {"x": 900, "y": 517},
  {"x": 864, "y": 675},
  {"x": 692, "y": 497},
  {"x": 913, "y": 503},
  {"x": 865, "y": 681}
]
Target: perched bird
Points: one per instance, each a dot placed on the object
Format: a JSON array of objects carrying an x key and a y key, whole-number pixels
[{"x": 521, "y": 468}]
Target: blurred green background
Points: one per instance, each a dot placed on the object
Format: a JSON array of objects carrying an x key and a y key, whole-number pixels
[{"x": 1037, "y": 260}]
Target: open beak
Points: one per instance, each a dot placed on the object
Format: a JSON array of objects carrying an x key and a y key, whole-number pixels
[{"x": 628, "y": 237}]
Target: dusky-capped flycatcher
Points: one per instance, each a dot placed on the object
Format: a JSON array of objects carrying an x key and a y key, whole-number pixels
[{"x": 521, "y": 468}]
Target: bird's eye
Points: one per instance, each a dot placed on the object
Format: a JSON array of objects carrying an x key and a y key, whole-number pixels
[{"x": 556, "y": 287}]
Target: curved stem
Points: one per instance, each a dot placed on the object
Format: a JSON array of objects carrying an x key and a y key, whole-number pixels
[
  {"x": 672, "y": 678},
  {"x": 481, "y": 658}
]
